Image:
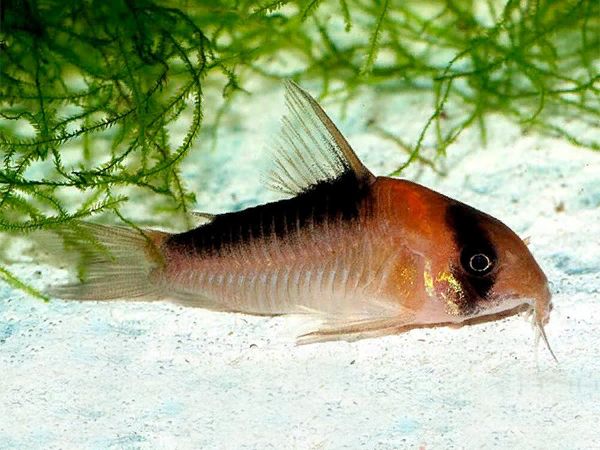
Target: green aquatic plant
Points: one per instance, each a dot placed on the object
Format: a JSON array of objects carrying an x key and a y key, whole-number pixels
[{"x": 91, "y": 91}]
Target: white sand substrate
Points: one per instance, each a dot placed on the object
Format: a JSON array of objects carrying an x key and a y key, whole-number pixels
[{"x": 160, "y": 376}]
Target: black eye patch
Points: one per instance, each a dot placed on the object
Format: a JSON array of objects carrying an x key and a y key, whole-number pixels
[{"x": 478, "y": 256}]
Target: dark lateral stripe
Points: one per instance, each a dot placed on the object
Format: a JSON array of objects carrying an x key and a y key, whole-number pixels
[
  {"x": 326, "y": 201},
  {"x": 471, "y": 237}
]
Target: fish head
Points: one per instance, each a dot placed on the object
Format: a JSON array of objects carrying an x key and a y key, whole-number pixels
[
  {"x": 489, "y": 270},
  {"x": 473, "y": 266}
]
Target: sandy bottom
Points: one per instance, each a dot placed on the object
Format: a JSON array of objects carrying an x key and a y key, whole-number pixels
[{"x": 134, "y": 375}]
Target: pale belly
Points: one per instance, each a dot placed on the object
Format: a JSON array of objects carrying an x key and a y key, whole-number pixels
[{"x": 344, "y": 276}]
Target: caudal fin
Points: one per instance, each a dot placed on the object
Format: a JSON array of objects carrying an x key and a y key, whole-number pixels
[{"x": 112, "y": 262}]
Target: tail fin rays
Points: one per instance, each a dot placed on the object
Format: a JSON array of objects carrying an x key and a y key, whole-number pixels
[{"x": 113, "y": 263}]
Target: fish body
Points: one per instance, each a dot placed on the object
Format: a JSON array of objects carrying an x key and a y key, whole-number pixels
[{"x": 367, "y": 255}]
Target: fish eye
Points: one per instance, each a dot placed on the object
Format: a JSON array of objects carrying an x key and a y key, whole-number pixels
[
  {"x": 477, "y": 262},
  {"x": 480, "y": 263}
]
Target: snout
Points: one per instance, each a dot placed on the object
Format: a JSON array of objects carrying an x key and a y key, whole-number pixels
[{"x": 543, "y": 305}]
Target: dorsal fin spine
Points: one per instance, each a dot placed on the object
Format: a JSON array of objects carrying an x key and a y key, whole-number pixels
[
  {"x": 310, "y": 149},
  {"x": 344, "y": 146}
]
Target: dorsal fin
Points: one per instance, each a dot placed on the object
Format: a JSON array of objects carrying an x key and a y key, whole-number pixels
[
  {"x": 310, "y": 149},
  {"x": 203, "y": 217}
]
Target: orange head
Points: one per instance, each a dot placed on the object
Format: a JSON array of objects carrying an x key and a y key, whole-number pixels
[
  {"x": 494, "y": 267},
  {"x": 474, "y": 267}
]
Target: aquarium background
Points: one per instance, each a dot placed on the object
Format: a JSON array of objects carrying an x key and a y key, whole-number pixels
[{"x": 156, "y": 375}]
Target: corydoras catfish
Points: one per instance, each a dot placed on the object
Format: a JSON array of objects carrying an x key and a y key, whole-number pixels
[{"x": 367, "y": 255}]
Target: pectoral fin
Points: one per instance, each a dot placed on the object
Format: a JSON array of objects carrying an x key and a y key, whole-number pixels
[{"x": 355, "y": 330}]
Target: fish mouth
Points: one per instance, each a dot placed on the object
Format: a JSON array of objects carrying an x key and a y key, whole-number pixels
[{"x": 538, "y": 308}]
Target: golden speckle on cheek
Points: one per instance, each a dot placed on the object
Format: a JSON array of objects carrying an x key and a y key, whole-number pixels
[
  {"x": 453, "y": 283},
  {"x": 405, "y": 281},
  {"x": 446, "y": 287},
  {"x": 453, "y": 292},
  {"x": 402, "y": 283},
  {"x": 428, "y": 279},
  {"x": 407, "y": 274}
]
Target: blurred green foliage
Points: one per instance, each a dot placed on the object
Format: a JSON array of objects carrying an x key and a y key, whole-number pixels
[{"x": 90, "y": 90}]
